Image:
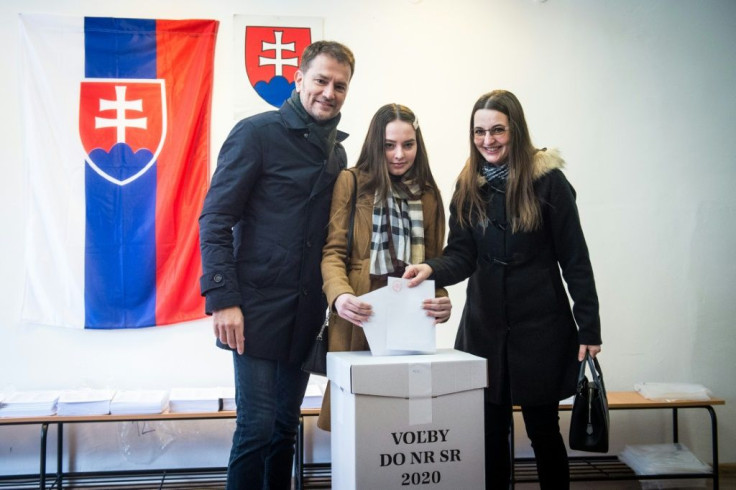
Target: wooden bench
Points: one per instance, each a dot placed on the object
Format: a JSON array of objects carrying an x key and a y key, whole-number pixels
[
  {"x": 600, "y": 468},
  {"x": 594, "y": 467},
  {"x": 59, "y": 421}
]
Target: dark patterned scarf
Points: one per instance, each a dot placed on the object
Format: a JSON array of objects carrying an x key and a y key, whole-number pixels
[
  {"x": 326, "y": 130},
  {"x": 495, "y": 172}
]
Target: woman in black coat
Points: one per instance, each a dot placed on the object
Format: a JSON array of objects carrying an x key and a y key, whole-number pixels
[{"x": 514, "y": 226}]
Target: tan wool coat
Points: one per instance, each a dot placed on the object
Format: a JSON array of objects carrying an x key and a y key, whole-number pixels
[{"x": 343, "y": 335}]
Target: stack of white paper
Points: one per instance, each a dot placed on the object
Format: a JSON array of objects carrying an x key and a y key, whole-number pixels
[
  {"x": 29, "y": 404},
  {"x": 194, "y": 400},
  {"x": 313, "y": 396},
  {"x": 660, "y": 459},
  {"x": 673, "y": 391},
  {"x": 568, "y": 401},
  {"x": 85, "y": 402},
  {"x": 139, "y": 402},
  {"x": 227, "y": 397}
]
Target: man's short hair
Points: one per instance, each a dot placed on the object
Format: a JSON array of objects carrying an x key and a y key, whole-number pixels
[{"x": 339, "y": 52}]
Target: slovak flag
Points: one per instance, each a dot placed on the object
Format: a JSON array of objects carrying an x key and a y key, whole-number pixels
[{"x": 116, "y": 149}]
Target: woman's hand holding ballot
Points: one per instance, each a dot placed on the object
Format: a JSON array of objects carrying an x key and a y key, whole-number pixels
[
  {"x": 440, "y": 308},
  {"x": 349, "y": 307}
]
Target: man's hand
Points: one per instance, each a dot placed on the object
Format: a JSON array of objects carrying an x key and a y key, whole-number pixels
[{"x": 229, "y": 327}]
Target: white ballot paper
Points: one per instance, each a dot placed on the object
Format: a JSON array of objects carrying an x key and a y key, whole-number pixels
[{"x": 399, "y": 324}]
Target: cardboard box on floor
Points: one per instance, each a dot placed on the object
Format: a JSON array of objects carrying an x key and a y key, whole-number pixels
[{"x": 407, "y": 421}]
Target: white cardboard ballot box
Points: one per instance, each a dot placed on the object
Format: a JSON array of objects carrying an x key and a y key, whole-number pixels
[{"x": 411, "y": 421}]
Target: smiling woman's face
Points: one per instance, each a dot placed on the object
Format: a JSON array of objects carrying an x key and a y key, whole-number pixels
[{"x": 493, "y": 147}]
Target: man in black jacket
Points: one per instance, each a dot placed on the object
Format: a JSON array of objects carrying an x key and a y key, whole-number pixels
[{"x": 262, "y": 229}]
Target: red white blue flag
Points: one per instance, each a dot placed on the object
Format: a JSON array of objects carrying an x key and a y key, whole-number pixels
[{"x": 116, "y": 125}]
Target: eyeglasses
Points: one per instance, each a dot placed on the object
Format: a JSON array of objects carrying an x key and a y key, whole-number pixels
[{"x": 495, "y": 131}]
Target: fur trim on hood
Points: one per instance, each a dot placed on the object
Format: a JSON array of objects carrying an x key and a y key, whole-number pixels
[{"x": 545, "y": 160}]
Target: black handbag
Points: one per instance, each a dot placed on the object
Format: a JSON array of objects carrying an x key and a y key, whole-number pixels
[
  {"x": 316, "y": 360},
  {"x": 589, "y": 422}
]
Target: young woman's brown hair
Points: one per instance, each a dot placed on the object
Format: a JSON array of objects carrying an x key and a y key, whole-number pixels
[{"x": 372, "y": 159}]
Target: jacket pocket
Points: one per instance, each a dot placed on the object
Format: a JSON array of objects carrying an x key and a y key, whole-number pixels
[{"x": 266, "y": 264}]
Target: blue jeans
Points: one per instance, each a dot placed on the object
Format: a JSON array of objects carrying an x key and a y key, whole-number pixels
[{"x": 268, "y": 395}]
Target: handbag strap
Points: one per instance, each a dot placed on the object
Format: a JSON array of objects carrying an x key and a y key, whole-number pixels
[
  {"x": 596, "y": 373},
  {"x": 351, "y": 223},
  {"x": 599, "y": 375},
  {"x": 349, "y": 248},
  {"x": 324, "y": 326}
]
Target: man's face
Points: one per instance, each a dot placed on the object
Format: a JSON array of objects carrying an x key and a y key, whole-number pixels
[{"x": 323, "y": 87}]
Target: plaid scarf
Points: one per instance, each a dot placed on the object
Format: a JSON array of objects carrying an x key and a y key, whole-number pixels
[
  {"x": 493, "y": 172},
  {"x": 402, "y": 213}
]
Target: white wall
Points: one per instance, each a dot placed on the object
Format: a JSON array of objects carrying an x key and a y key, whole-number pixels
[{"x": 637, "y": 95}]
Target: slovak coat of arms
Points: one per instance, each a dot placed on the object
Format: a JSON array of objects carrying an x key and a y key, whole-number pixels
[{"x": 272, "y": 57}]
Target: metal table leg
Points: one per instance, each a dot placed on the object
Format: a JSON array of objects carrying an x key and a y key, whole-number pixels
[
  {"x": 714, "y": 445},
  {"x": 299, "y": 457},
  {"x": 42, "y": 470},
  {"x": 60, "y": 454}
]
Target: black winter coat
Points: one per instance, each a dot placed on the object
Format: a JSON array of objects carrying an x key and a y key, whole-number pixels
[
  {"x": 262, "y": 229},
  {"x": 517, "y": 314}
]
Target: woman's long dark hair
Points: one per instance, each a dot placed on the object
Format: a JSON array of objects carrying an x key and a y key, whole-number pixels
[{"x": 522, "y": 207}]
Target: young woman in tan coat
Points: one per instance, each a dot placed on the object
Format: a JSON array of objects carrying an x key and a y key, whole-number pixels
[{"x": 399, "y": 199}]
